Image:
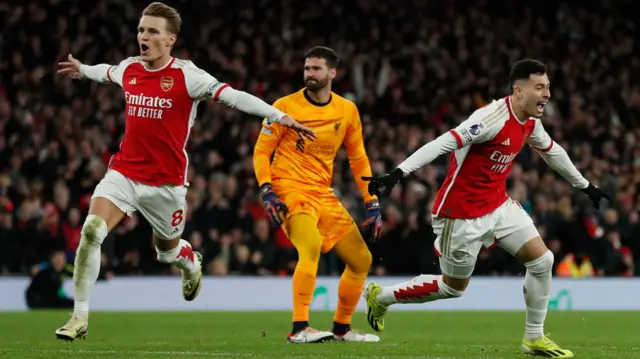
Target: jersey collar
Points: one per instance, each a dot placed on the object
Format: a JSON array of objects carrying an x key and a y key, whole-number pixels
[
  {"x": 169, "y": 63},
  {"x": 313, "y": 102}
]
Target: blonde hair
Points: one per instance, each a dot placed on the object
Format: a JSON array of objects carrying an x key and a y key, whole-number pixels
[{"x": 158, "y": 9}]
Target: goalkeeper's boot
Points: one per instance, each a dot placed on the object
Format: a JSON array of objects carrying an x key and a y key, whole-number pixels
[
  {"x": 375, "y": 311},
  {"x": 76, "y": 328},
  {"x": 357, "y": 336},
  {"x": 309, "y": 335},
  {"x": 545, "y": 347},
  {"x": 190, "y": 286}
]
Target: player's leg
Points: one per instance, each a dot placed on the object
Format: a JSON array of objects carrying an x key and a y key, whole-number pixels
[
  {"x": 103, "y": 216},
  {"x": 165, "y": 209},
  {"x": 302, "y": 229},
  {"x": 458, "y": 244},
  {"x": 178, "y": 252},
  {"x": 353, "y": 251},
  {"x": 110, "y": 203},
  {"x": 518, "y": 236}
]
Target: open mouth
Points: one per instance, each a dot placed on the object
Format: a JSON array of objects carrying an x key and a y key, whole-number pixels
[
  {"x": 144, "y": 49},
  {"x": 541, "y": 106}
]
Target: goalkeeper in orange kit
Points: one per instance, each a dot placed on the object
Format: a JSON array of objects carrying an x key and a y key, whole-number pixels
[{"x": 296, "y": 190}]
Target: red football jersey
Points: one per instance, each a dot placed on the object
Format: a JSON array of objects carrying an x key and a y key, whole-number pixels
[
  {"x": 488, "y": 142},
  {"x": 161, "y": 107}
]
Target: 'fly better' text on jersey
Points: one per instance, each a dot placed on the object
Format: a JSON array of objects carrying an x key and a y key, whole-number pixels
[{"x": 161, "y": 107}]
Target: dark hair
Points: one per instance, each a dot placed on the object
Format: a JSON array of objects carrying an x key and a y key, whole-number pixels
[
  {"x": 325, "y": 53},
  {"x": 525, "y": 68}
]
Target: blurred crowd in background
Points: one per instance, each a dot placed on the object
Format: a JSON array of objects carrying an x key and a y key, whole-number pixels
[{"x": 414, "y": 68}]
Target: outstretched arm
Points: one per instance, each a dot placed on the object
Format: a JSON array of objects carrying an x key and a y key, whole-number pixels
[
  {"x": 97, "y": 73},
  {"x": 202, "y": 86},
  {"x": 558, "y": 159},
  {"x": 445, "y": 143},
  {"x": 481, "y": 126},
  {"x": 555, "y": 156},
  {"x": 245, "y": 102},
  {"x": 102, "y": 73}
]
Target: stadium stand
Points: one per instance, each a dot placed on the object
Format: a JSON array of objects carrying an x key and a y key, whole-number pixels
[{"x": 414, "y": 68}]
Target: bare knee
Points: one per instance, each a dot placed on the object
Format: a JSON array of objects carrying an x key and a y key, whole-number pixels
[
  {"x": 107, "y": 211},
  {"x": 457, "y": 284},
  {"x": 165, "y": 244},
  {"x": 531, "y": 250}
]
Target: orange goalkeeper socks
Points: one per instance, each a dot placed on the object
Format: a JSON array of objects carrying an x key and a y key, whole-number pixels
[
  {"x": 349, "y": 291},
  {"x": 304, "y": 284}
]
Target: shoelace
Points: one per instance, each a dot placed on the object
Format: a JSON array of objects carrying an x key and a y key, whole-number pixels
[
  {"x": 189, "y": 284},
  {"x": 71, "y": 321},
  {"x": 548, "y": 340},
  {"x": 381, "y": 309}
]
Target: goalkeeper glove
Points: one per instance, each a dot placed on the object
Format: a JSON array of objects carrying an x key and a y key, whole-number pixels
[
  {"x": 373, "y": 222},
  {"x": 273, "y": 205}
]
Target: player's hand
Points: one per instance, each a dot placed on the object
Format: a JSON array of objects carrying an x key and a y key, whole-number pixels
[
  {"x": 273, "y": 205},
  {"x": 303, "y": 130},
  {"x": 70, "y": 68},
  {"x": 373, "y": 222},
  {"x": 595, "y": 194},
  {"x": 386, "y": 182}
]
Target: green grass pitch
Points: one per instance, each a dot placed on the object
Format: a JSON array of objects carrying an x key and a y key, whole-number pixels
[{"x": 424, "y": 335}]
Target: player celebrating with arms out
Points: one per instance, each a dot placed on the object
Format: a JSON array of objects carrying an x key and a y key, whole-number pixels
[
  {"x": 472, "y": 208},
  {"x": 297, "y": 184},
  {"x": 149, "y": 173}
]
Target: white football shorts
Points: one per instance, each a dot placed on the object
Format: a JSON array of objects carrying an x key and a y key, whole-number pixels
[
  {"x": 459, "y": 241},
  {"x": 164, "y": 207}
]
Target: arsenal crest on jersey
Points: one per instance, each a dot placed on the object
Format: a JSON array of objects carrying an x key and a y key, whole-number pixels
[{"x": 166, "y": 83}]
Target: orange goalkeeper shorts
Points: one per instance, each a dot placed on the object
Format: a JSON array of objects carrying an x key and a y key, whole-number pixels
[{"x": 333, "y": 220}]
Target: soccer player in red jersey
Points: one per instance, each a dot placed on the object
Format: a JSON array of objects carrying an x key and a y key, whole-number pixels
[
  {"x": 149, "y": 173},
  {"x": 473, "y": 209}
]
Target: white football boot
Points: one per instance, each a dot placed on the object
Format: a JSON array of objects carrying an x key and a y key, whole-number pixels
[
  {"x": 76, "y": 328},
  {"x": 191, "y": 287},
  {"x": 309, "y": 335},
  {"x": 356, "y": 336}
]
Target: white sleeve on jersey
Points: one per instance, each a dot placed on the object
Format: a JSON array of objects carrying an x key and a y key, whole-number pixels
[
  {"x": 483, "y": 125},
  {"x": 540, "y": 139},
  {"x": 105, "y": 73},
  {"x": 429, "y": 152},
  {"x": 202, "y": 86},
  {"x": 555, "y": 156}
]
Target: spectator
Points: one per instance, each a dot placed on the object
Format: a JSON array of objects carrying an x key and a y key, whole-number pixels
[
  {"x": 45, "y": 290},
  {"x": 415, "y": 69},
  {"x": 576, "y": 266}
]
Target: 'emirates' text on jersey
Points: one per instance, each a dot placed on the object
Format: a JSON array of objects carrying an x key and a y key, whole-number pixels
[
  {"x": 488, "y": 142},
  {"x": 160, "y": 110}
]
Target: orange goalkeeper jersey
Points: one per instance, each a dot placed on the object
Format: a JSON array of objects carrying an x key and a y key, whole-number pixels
[{"x": 309, "y": 165}]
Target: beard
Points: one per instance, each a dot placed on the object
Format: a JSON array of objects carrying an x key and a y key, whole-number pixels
[{"x": 316, "y": 85}]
